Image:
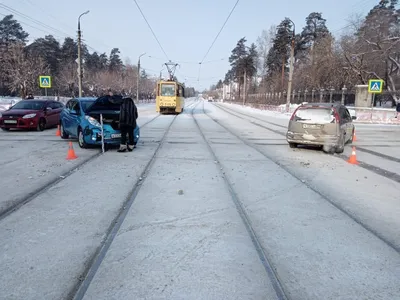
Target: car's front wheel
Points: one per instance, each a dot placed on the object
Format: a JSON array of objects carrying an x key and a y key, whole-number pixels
[
  {"x": 293, "y": 145},
  {"x": 64, "y": 135},
  {"x": 81, "y": 139},
  {"x": 6, "y": 129},
  {"x": 41, "y": 125}
]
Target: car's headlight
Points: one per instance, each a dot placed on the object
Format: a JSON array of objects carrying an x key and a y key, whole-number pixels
[
  {"x": 29, "y": 116},
  {"x": 93, "y": 121}
]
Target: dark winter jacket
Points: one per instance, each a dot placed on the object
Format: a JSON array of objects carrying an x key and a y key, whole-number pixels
[{"x": 128, "y": 113}]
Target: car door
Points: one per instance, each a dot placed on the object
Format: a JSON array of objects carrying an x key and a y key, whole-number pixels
[
  {"x": 75, "y": 117},
  {"x": 343, "y": 122},
  {"x": 349, "y": 123},
  {"x": 65, "y": 118},
  {"x": 59, "y": 107},
  {"x": 70, "y": 119},
  {"x": 51, "y": 114}
]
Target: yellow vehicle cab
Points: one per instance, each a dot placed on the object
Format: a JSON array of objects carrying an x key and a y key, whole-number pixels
[{"x": 170, "y": 97}]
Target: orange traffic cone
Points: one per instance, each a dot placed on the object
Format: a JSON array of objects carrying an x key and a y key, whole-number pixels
[
  {"x": 353, "y": 158},
  {"x": 58, "y": 132},
  {"x": 354, "y": 136},
  {"x": 71, "y": 153}
]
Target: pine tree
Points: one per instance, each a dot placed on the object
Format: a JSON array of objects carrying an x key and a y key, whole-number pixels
[{"x": 279, "y": 54}]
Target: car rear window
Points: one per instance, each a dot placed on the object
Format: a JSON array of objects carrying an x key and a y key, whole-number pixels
[{"x": 314, "y": 115}]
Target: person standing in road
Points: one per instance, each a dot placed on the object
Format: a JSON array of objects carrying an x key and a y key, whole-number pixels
[{"x": 127, "y": 122}]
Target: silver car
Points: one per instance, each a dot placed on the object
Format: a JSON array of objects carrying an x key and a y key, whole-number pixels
[{"x": 328, "y": 125}]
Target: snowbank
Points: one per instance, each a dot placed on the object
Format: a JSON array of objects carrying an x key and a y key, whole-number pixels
[{"x": 363, "y": 114}]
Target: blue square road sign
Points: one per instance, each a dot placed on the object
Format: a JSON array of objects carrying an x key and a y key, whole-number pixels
[
  {"x": 375, "y": 86},
  {"x": 45, "y": 82}
]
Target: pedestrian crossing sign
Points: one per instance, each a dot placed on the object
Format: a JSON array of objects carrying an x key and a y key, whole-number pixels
[
  {"x": 45, "y": 82},
  {"x": 375, "y": 86}
]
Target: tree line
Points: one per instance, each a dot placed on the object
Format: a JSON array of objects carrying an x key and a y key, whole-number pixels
[
  {"x": 22, "y": 64},
  {"x": 368, "y": 49}
]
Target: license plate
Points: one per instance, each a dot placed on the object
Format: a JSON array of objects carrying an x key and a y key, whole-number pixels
[
  {"x": 116, "y": 136},
  {"x": 311, "y": 126},
  {"x": 10, "y": 121}
]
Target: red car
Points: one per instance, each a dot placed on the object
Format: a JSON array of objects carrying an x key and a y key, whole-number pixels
[{"x": 32, "y": 114}]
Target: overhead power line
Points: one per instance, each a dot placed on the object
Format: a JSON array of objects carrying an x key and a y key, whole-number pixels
[
  {"x": 216, "y": 37},
  {"x": 44, "y": 12},
  {"x": 63, "y": 34},
  {"x": 151, "y": 29},
  {"x": 12, "y": 10},
  {"x": 26, "y": 24}
]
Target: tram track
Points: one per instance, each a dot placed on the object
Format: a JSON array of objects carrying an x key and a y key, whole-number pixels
[
  {"x": 45, "y": 187},
  {"x": 263, "y": 256},
  {"x": 79, "y": 290},
  {"x": 375, "y": 169},
  {"x": 318, "y": 192}
]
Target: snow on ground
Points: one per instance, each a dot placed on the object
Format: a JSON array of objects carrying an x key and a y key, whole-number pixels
[
  {"x": 47, "y": 243},
  {"x": 32, "y": 159},
  {"x": 370, "y": 195},
  {"x": 183, "y": 237},
  {"x": 379, "y": 115},
  {"x": 182, "y": 246},
  {"x": 282, "y": 208}
]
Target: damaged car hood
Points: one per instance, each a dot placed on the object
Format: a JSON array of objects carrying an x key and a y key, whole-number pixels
[{"x": 106, "y": 103}]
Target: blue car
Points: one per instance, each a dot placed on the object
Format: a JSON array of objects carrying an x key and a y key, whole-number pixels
[{"x": 80, "y": 119}]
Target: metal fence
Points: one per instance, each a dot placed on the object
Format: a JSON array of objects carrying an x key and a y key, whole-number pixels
[{"x": 347, "y": 97}]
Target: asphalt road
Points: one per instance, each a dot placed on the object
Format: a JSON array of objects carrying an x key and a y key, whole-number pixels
[{"x": 213, "y": 204}]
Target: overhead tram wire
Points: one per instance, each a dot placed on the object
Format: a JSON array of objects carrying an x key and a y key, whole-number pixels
[
  {"x": 12, "y": 10},
  {"x": 26, "y": 24},
  {"x": 151, "y": 29},
  {"x": 216, "y": 37},
  {"x": 43, "y": 11},
  {"x": 223, "y": 26}
]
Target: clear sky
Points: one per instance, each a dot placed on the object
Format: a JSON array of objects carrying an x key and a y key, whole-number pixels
[{"x": 185, "y": 28}]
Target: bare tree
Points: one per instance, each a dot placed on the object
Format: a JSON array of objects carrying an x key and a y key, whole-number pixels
[
  {"x": 24, "y": 69},
  {"x": 264, "y": 43},
  {"x": 68, "y": 77}
]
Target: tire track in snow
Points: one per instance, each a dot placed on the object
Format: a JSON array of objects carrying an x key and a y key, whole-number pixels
[
  {"x": 375, "y": 169},
  {"x": 323, "y": 196}
]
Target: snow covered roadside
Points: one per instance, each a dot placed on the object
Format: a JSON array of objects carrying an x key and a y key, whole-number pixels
[{"x": 364, "y": 115}]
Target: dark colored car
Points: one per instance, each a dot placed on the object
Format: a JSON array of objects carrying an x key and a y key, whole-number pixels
[{"x": 32, "y": 114}]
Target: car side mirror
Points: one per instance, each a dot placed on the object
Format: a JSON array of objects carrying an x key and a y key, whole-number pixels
[
  {"x": 47, "y": 109},
  {"x": 353, "y": 117}
]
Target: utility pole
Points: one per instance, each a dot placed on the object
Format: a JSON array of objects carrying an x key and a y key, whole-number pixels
[
  {"x": 289, "y": 91},
  {"x": 244, "y": 87},
  {"x": 80, "y": 73},
  {"x": 138, "y": 77}
]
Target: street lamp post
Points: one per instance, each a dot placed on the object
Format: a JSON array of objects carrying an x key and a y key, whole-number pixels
[
  {"x": 289, "y": 90},
  {"x": 80, "y": 73},
  {"x": 138, "y": 76}
]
